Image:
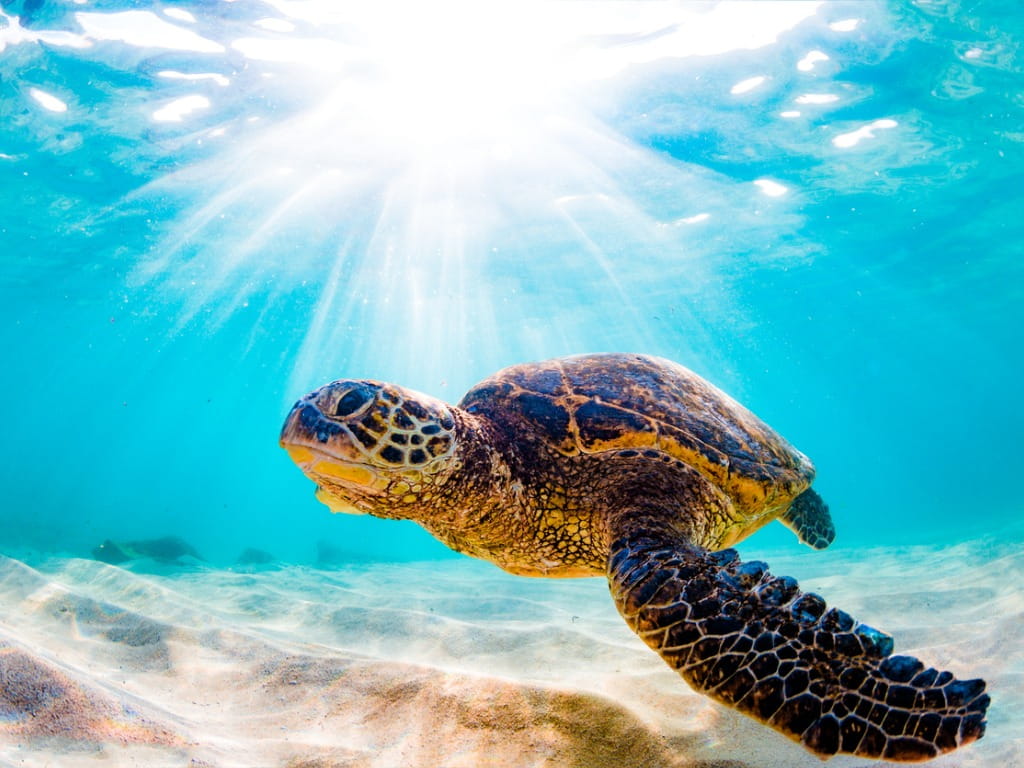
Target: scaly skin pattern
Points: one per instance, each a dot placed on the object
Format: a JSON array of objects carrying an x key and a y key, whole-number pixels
[
  {"x": 756, "y": 643},
  {"x": 809, "y": 519},
  {"x": 635, "y": 468}
]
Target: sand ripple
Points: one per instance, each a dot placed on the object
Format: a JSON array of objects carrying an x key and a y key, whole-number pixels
[{"x": 439, "y": 664}]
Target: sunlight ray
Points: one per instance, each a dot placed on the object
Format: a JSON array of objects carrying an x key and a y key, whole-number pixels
[
  {"x": 407, "y": 177},
  {"x": 185, "y": 234},
  {"x": 322, "y": 331}
]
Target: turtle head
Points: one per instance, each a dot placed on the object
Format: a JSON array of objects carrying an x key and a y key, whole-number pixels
[{"x": 372, "y": 447}]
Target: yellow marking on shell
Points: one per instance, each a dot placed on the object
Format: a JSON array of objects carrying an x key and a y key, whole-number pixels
[
  {"x": 409, "y": 498},
  {"x": 348, "y": 472},
  {"x": 335, "y": 504},
  {"x": 299, "y": 454},
  {"x": 635, "y": 440}
]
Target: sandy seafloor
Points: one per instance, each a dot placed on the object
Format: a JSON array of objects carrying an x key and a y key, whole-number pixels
[{"x": 440, "y": 664}]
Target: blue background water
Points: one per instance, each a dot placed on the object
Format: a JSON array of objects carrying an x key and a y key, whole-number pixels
[{"x": 168, "y": 288}]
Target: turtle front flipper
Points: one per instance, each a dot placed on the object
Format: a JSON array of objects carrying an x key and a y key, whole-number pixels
[
  {"x": 809, "y": 519},
  {"x": 756, "y": 643}
]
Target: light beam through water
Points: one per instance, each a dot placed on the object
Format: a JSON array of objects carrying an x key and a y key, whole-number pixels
[{"x": 424, "y": 182}]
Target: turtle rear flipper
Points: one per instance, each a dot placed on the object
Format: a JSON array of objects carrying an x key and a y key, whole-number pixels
[
  {"x": 809, "y": 519},
  {"x": 756, "y": 643}
]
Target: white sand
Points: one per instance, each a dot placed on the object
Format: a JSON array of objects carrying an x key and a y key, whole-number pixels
[{"x": 441, "y": 665}]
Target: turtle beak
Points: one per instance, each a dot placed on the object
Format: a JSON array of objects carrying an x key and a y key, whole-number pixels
[
  {"x": 307, "y": 433},
  {"x": 322, "y": 450},
  {"x": 301, "y": 455}
]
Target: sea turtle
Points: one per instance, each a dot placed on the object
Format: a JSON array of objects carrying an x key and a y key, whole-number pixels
[{"x": 635, "y": 468}]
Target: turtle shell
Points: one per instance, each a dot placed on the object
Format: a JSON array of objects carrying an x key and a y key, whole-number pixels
[{"x": 627, "y": 404}]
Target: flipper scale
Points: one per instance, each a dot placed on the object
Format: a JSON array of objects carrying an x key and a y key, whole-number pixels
[
  {"x": 753, "y": 641},
  {"x": 808, "y": 517}
]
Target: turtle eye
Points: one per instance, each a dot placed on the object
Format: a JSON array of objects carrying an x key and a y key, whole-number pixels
[{"x": 353, "y": 400}]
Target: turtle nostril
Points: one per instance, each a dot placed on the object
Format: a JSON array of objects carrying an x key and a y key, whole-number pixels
[{"x": 352, "y": 401}]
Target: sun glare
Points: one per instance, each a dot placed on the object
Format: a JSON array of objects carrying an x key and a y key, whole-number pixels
[
  {"x": 462, "y": 72},
  {"x": 458, "y": 74},
  {"x": 440, "y": 140}
]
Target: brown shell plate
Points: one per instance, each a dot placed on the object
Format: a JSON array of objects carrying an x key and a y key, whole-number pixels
[{"x": 627, "y": 402}]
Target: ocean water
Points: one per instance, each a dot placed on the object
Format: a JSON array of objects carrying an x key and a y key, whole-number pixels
[{"x": 210, "y": 208}]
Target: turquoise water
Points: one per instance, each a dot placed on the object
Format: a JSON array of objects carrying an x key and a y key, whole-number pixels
[{"x": 210, "y": 208}]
